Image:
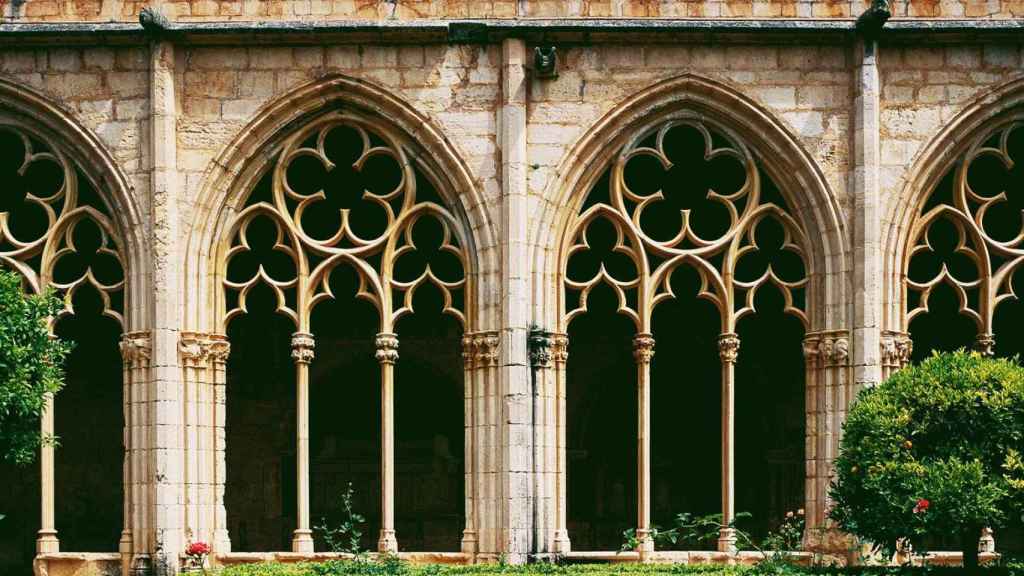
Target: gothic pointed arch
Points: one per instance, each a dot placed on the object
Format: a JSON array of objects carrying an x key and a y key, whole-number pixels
[
  {"x": 340, "y": 198},
  {"x": 946, "y": 188},
  {"x": 955, "y": 233},
  {"x": 69, "y": 221},
  {"x": 761, "y": 198}
]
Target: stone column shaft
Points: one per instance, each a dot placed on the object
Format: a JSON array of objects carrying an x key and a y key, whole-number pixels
[
  {"x": 302, "y": 353},
  {"x": 728, "y": 349},
  {"x": 387, "y": 355},
  {"x": 643, "y": 353}
]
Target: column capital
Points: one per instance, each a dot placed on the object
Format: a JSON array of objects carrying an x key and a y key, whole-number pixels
[
  {"x": 728, "y": 347},
  {"x": 985, "y": 344},
  {"x": 468, "y": 351},
  {"x": 136, "y": 348},
  {"x": 560, "y": 347},
  {"x": 302, "y": 347},
  {"x": 897, "y": 348},
  {"x": 643, "y": 347},
  {"x": 541, "y": 343},
  {"x": 488, "y": 347},
  {"x": 194, "y": 347},
  {"x": 387, "y": 348},
  {"x": 220, "y": 349}
]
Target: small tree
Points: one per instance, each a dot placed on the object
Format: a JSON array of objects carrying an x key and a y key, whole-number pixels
[
  {"x": 31, "y": 367},
  {"x": 936, "y": 449}
]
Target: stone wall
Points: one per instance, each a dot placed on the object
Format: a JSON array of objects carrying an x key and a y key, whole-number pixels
[
  {"x": 186, "y": 121},
  {"x": 215, "y": 10}
]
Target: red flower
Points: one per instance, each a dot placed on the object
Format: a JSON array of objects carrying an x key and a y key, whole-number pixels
[
  {"x": 922, "y": 506},
  {"x": 197, "y": 549}
]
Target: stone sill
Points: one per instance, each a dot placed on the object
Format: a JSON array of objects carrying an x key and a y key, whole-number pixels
[{"x": 414, "y": 557}]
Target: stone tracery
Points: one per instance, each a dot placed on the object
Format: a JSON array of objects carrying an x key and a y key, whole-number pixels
[
  {"x": 343, "y": 191},
  {"x": 723, "y": 233}
]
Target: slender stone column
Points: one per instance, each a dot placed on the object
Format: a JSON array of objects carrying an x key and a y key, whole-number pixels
[
  {"x": 643, "y": 352},
  {"x": 46, "y": 541},
  {"x": 220, "y": 349},
  {"x": 986, "y": 345},
  {"x": 728, "y": 350},
  {"x": 135, "y": 353},
  {"x": 560, "y": 355},
  {"x": 469, "y": 534},
  {"x": 540, "y": 343},
  {"x": 387, "y": 355},
  {"x": 302, "y": 353}
]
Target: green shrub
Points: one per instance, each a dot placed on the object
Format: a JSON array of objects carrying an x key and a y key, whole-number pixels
[
  {"x": 31, "y": 367},
  {"x": 934, "y": 450}
]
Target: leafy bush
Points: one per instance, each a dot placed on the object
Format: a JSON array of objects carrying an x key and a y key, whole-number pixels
[
  {"x": 934, "y": 450},
  {"x": 31, "y": 367}
]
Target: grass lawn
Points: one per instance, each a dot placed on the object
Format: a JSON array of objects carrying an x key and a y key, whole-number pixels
[{"x": 367, "y": 568}]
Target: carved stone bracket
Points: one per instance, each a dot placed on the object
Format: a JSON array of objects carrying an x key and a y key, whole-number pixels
[
  {"x": 729, "y": 347},
  {"x": 302, "y": 347},
  {"x": 136, "y": 348},
  {"x": 387, "y": 348}
]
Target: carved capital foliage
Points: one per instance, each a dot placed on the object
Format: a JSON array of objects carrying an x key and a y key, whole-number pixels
[
  {"x": 220, "y": 349},
  {"x": 985, "y": 344},
  {"x": 387, "y": 348},
  {"x": 643, "y": 348},
  {"x": 487, "y": 345},
  {"x": 136, "y": 348},
  {"x": 468, "y": 352},
  {"x": 540, "y": 343},
  {"x": 303, "y": 346},
  {"x": 728, "y": 347},
  {"x": 194, "y": 348}
]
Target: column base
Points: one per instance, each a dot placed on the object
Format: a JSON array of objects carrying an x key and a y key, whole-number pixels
[
  {"x": 469, "y": 541},
  {"x": 141, "y": 566},
  {"x": 47, "y": 542},
  {"x": 124, "y": 546},
  {"x": 645, "y": 547},
  {"x": 302, "y": 541},
  {"x": 727, "y": 540},
  {"x": 387, "y": 544},
  {"x": 221, "y": 541},
  {"x": 562, "y": 543},
  {"x": 987, "y": 542}
]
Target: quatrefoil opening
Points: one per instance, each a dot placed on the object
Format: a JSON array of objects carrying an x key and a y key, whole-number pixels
[
  {"x": 32, "y": 179},
  {"x": 344, "y": 181},
  {"x": 260, "y": 250},
  {"x": 601, "y": 249},
  {"x": 995, "y": 178},
  {"x": 686, "y": 181},
  {"x": 944, "y": 249}
]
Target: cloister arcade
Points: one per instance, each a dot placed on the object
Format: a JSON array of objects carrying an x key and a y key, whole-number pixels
[{"x": 337, "y": 307}]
